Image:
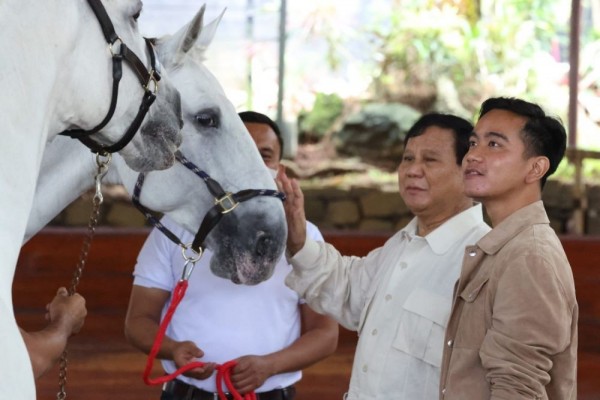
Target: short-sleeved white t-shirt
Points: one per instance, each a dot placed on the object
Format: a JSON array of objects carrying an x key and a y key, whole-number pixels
[{"x": 224, "y": 319}]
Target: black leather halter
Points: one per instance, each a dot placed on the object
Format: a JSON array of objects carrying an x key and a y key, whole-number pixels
[
  {"x": 225, "y": 202},
  {"x": 148, "y": 79}
]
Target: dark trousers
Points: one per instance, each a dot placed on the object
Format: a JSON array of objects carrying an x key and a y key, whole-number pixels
[{"x": 177, "y": 390}]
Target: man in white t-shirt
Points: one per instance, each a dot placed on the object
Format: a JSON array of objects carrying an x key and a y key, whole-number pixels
[
  {"x": 399, "y": 296},
  {"x": 266, "y": 328}
]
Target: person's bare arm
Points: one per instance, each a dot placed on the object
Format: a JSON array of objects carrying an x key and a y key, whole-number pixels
[
  {"x": 318, "y": 340},
  {"x": 65, "y": 316},
  {"x": 142, "y": 323}
]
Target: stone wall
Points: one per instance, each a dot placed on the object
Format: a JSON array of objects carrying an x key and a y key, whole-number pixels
[
  {"x": 361, "y": 207},
  {"x": 368, "y": 208}
]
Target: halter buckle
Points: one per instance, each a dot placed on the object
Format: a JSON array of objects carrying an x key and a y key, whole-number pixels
[{"x": 227, "y": 203}]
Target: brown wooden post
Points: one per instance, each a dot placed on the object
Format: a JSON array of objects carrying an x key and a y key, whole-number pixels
[{"x": 575, "y": 156}]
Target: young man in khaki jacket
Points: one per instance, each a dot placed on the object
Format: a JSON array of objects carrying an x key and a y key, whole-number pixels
[{"x": 512, "y": 332}]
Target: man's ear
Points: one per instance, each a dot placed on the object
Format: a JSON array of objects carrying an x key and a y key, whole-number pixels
[{"x": 538, "y": 167}]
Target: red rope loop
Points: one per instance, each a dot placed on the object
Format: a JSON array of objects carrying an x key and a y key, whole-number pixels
[{"x": 223, "y": 371}]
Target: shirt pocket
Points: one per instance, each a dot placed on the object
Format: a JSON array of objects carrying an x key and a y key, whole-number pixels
[
  {"x": 471, "y": 292},
  {"x": 474, "y": 321},
  {"x": 421, "y": 329}
]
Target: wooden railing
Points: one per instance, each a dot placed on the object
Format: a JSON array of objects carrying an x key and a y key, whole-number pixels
[{"x": 48, "y": 260}]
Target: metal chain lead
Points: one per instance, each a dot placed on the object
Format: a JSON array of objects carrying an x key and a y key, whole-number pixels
[{"x": 102, "y": 164}]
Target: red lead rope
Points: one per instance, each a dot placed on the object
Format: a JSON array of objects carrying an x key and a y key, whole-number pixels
[{"x": 223, "y": 371}]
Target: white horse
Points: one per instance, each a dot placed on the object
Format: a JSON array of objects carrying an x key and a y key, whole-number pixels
[
  {"x": 56, "y": 73},
  {"x": 248, "y": 241}
]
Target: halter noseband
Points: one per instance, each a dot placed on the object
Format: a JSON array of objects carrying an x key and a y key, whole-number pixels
[
  {"x": 148, "y": 79},
  {"x": 225, "y": 202}
]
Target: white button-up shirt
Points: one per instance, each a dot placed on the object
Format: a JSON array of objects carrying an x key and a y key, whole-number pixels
[{"x": 398, "y": 298}]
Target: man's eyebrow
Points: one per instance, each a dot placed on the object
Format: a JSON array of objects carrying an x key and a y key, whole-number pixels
[
  {"x": 431, "y": 152},
  {"x": 497, "y": 135}
]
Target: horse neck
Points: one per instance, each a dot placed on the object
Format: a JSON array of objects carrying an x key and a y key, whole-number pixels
[
  {"x": 35, "y": 73},
  {"x": 68, "y": 170}
]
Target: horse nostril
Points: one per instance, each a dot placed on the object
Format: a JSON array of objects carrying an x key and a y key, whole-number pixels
[{"x": 262, "y": 245}]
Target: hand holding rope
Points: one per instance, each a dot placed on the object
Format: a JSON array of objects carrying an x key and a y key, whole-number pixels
[{"x": 223, "y": 371}]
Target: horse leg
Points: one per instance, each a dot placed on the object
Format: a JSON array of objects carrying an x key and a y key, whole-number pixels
[{"x": 19, "y": 167}]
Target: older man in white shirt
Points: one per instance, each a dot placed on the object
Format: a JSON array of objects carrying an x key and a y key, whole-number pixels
[{"x": 398, "y": 297}]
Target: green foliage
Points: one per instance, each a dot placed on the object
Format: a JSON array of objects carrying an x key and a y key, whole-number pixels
[
  {"x": 590, "y": 171},
  {"x": 316, "y": 123},
  {"x": 565, "y": 171},
  {"x": 423, "y": 41}
]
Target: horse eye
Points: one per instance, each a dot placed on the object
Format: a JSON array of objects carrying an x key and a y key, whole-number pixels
[
  {"x": 207, "y": 120},
  {"x": 136, "y": 16}
]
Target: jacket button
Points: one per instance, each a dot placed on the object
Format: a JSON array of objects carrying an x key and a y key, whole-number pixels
[
  {"x": 472, "y": 253},
  {"x": 450, "y": 343}
]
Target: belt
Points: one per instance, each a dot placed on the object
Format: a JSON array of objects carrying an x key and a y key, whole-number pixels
[{"x": 184, "y": 391}]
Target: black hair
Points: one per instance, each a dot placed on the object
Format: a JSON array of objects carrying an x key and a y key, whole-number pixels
[
  {"x": 461, "y": 128},
  {"x": 543, "y": 135},
  {"x": 258, "y": 118}
]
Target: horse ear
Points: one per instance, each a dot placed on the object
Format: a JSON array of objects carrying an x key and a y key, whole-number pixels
[
  {"x": 193, "y": 32},
  {"x": 173, "y": 48},
  {"x": 208, "y": 33}
]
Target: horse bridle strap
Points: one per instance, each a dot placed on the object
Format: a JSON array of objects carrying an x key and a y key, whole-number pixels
[
  {"x": 225, "y": 202},
  {"x": 105, "y": 23},
  {"x": 148, "y": 79}
]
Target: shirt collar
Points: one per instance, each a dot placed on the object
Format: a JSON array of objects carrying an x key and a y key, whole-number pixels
[
  {"x": 518, "y": 221},
  {"x": 410, "y": 230},
  {"x": 445, "y": 236}
]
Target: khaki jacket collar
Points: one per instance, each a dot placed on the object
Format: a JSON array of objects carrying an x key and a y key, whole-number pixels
[{"x": 515, "y": 223}]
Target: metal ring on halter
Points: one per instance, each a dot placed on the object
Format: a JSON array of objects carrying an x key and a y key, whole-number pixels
[
  {"x": 103, "y": 163},
  {"x": 231, "y": 203},
  {"x": 190, "y": 262},
  {"x": 102, "y": 170},
  {"x": 152, "y": 79},
  {"x": 110, "y": 45},
  {"x": 195, "y": 257}
]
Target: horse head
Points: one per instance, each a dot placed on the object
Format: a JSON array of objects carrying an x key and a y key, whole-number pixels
[
  {"x": 91, "y": 80},
  {"x": 248, "y": 241}
]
